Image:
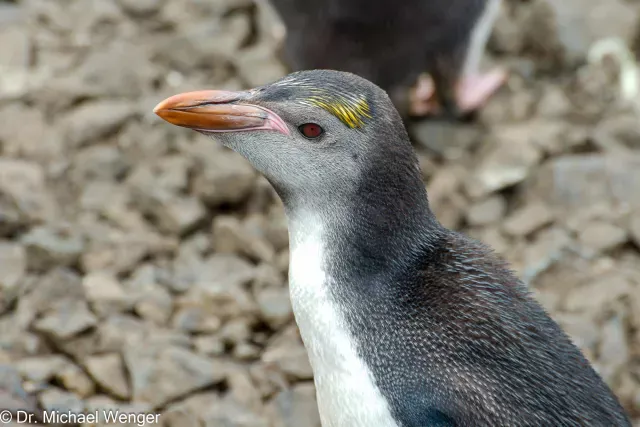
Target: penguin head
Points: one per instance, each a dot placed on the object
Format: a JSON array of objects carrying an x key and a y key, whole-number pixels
[{"x": 311, "y": 134}]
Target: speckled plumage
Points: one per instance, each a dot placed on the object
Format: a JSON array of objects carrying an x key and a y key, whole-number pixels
[{"x": 407, "y": 324}]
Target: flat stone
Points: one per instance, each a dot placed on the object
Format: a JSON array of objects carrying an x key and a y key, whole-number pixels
[
  {"x": 528, "y": 219},
  {"x": 222, "y": 176},
  {"x": 289, "y": 355},
  {"x": 179, "y": 215},
  {"x": 600, "y": 236},
  {"x": 232, "y": 413},
  {"x": 573, "y": 182},
  {"x": 105, "y": 293},
  {"x": 195, "y": 320},
  {"x": 57, "y": 400},
  {"x": 67, "y": 319},
  {"x": 613, "y": 354},
  {"x": 583, "y": 330},
  {"x": 231, "y": 236},
  {"x": 23, "y": 189},
  {"x": 108, "y": 371},
  {"x": 258, "y": 65},
  {"x": 41, "y": 369},
  {"x": 219, "y": 284},
  {"x": 598, "y": 294},
  {"x": 59, "y": 286},
  {"x": 295, "y": 407},
  {"x": 140, "y": 8},
  {"x": 12, "y": 394},
  {"x": 209, "y": 345},
  {"x": 75, "y": 380},
  {"x": 275, "y": 306},
  {"x": 49, "y": 246},
  {"x": 13, "y": 264},
  {"x": 96, "y": 120},
  {"x": 447, "y": 139},
  {"x": 161, "y": 374},
  {"x": 105, "y": 405},
  {"x": 634, "y": 229},
  {"x": 549, "y": 247},
  {"x": 509, "y": 161},
  {"x": 488, "y": 211},
  {"x": 581, "y": 23}
]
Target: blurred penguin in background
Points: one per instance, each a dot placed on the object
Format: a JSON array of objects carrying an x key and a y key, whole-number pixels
[{"x": 394, "y": 43}]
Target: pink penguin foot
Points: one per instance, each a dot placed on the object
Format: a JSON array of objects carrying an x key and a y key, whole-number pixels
[{"x": 472, "y": 92}]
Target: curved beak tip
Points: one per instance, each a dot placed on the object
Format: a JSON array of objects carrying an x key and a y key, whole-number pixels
[{"x": 216, "y": 111}]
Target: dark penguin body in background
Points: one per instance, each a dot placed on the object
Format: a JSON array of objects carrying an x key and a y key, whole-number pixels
[
  {"x": 391, "y": 43},
  {"x": 407, "y": 324}
]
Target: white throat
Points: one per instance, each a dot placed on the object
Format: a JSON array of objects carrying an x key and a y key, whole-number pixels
[{"x": 345, "y": 387}]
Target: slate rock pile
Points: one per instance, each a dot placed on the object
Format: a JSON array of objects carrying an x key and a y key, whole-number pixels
[{"x": 144, "y": 268}]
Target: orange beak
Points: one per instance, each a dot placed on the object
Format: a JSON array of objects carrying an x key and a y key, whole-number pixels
[{"x": 212, "y": 111}]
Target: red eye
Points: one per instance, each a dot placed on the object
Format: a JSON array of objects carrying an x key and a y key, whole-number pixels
[{"x": 311, "y": 130}]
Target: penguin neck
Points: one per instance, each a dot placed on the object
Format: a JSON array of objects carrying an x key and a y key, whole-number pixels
[{"x": 378, "y": 226}]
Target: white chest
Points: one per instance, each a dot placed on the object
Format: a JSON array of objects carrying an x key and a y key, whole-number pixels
[{"x": 345, "y": 388}]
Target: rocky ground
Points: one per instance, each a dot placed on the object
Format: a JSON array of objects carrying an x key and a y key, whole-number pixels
[{"x": 144, "y": 268}]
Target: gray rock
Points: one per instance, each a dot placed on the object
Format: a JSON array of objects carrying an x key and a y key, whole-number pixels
[
  {"x": 634, "y": 229},
  {"x": 295, "y": 407},
  {"x": 179, "y": 215},
  {"x": 151, "y": 300},
  {"x": 275, "y": 306},
  {"x": 289, "y": 355},
  {"x": 41, "y": 369},
  {"x": 67, "y": 319},
  {"x": 195, "y": 320},
  {"x": 580, "y": 23},
  {"x": 96, "y": 120},
  {"x": 583, "y": 331},
  {"x": 13, "y": 397},
  {"x": 189, "y": 412},
  {"x": 614, "y": 349},
  {"x": 487, "y": 211},
  {"x": 209, "y": 345},
  {"x": 104, "y": 404},
  {"x": 218, "y": 283},
  {"x": 57, "y": 400},
  {"x": 23, "y": 193},
  {"x": 549, "y": 247},
  {"x": 119, "y": 251},
  {"x": 229, "y": 412},
  {"x": 75, "y": 380},
  {"x": 598, "y": 294},
  {"x": 231, "y": 236},
  {"x": 599, "y": 236},
  {"x": 157, "y": 188},
  {"x": 161, "y": 374},
  {"x": 571, "y": 183},
  {"x": 141, "y": 8},
  {"x": 105, "y": 293},
  {"x": 221, "y": 176},
  {"x": 48, "y": 246},
  {"x": 100, "y": 162},
  {"x": 257, "y": 65},
  {"x": 509, "y": 161},
  {"x": 447, "y": 139},
  {"x": 185, "y": 50},
  {"x": 47, "y": 293},
  {"x": 102, "y": 75},
  {"x": 13, "y": 264},
  {"x": 108, "y": 371},
  {"x": 119, "y": 331},
  {"x": 528, "y": 219}
]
